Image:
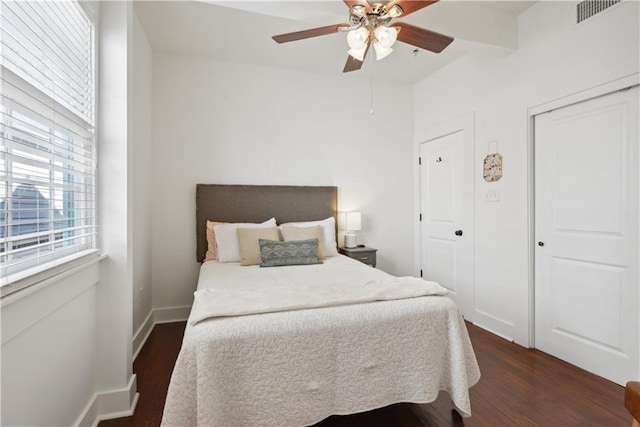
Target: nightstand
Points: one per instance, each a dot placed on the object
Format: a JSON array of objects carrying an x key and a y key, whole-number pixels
[{"x": 363, "y": 254}]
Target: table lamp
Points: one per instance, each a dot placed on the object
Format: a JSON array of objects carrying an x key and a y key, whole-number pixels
[{"x": 351, "y": 222}]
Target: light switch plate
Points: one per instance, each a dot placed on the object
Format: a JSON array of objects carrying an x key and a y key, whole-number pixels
[{"x": 492, "y": 196}]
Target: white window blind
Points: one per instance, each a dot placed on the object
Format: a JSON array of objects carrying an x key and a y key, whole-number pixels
[{"x": 47, "y": 135}]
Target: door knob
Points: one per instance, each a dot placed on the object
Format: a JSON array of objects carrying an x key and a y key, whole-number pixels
[
  {"x": 458, "y": 232},
  {"x": 540, "y": 243}
]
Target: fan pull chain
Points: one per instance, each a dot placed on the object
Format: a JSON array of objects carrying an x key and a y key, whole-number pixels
[{"x": 371, "y": 83}]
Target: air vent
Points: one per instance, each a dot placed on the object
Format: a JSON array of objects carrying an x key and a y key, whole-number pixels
[{"x": 587, "y": 8}]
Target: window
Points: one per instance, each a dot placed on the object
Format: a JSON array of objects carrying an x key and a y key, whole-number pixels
[{"x": 47, "y": 137}]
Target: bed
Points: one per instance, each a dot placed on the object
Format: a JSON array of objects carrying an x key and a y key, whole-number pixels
[{"x": 293, "y": 363}]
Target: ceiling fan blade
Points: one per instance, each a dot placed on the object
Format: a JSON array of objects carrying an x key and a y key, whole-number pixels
[
  {"x": 353, "y": 64},
  {"x": 410, "y": 6},
  {"x": 351, "y": 3},
  {"x": 419, "y": 37},
  {"x": 306, "y": 34}
]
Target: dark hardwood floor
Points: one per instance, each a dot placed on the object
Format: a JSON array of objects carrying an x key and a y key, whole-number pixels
[{"x": 519, "y": 387}]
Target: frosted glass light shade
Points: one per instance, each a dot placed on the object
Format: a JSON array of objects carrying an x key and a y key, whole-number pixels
[
  {"x": 357, "y": 39},
  {"x": 358, "y": 54},
  {"x": 386, "y": 36},
  {"x": 381, "y": 51}
]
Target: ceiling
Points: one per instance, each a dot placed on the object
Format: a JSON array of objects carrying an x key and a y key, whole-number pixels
[{"x": 240, "y": 31}]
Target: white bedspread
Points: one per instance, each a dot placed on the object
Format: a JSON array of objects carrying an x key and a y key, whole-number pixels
[
  {"x": 295, "y": 368},
  {"x": 213, "y": 302}
]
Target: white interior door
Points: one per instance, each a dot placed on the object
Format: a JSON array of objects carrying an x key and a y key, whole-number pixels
[
  {"x": 447, "y": 215},
  {"x": 586, "y": 220}
]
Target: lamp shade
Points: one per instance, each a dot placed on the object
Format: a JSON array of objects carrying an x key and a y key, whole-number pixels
[{"x": 352, "y": 221}]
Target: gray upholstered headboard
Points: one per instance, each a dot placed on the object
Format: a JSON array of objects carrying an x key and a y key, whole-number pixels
[{"x": 257, "y": 203}]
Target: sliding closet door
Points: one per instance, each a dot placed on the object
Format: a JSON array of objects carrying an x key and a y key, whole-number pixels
[{"x": 586, "y": 208}]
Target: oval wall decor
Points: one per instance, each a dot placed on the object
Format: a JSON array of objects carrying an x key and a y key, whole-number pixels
[{"x": 492, "y": 165}]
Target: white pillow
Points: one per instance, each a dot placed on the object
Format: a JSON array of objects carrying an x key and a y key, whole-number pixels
[
  {"x": 228, "y": 241},
  {"x": 328, "y": 230}
]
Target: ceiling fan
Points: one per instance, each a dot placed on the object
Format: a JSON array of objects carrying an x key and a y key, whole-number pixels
[{"x": 370, "y": 23}]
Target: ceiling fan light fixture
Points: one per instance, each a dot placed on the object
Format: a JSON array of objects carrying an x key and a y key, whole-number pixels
[
  {"x": 370, "y": 25},
  {"x": 385, "y": 36},
  {"x": 358, "y": 53},
  {"x": 359, "y": 10},
  {"x": 357, "y": 39},
  {"x": 381, "y": 51},
  {"x": 395, "y": 11}
]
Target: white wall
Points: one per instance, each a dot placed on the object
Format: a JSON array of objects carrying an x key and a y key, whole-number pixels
[
  {"x": 141, "y": 169},
  {"x": 556, "y": 57},
  {"x": 48, "y": 350},
  {"x": 227, "y": 123},
  {"x": 114, "y": 293},
  {"x": 66, "y": 342}
]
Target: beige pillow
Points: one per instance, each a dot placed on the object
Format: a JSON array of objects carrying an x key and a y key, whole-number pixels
[
  {"x": 290, "y": 232},
  {"x": 212, "y": 247},
  {"x": 329, "y": 248},
  {"x": 249, "y": 245},
  {"x": 227, "y": 242}
]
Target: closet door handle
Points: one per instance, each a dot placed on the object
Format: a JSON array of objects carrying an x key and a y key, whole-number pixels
[
  {"x": 540, "y": 243},
  {"x": 458, "y": 233}
]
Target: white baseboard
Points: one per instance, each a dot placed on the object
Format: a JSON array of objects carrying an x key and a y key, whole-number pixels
[
  {"x": 141, "y": 335},
  {"x": 122, "y": 403},
  {"x": 493, "y": 324},
  {"x": 156, "y": 316},
  {"x": 172, "y": 314},
  {"x": 110, "y": 404}
]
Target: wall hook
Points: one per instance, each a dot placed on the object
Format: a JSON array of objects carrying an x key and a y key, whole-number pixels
[{"x": 439, "y": 159}]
